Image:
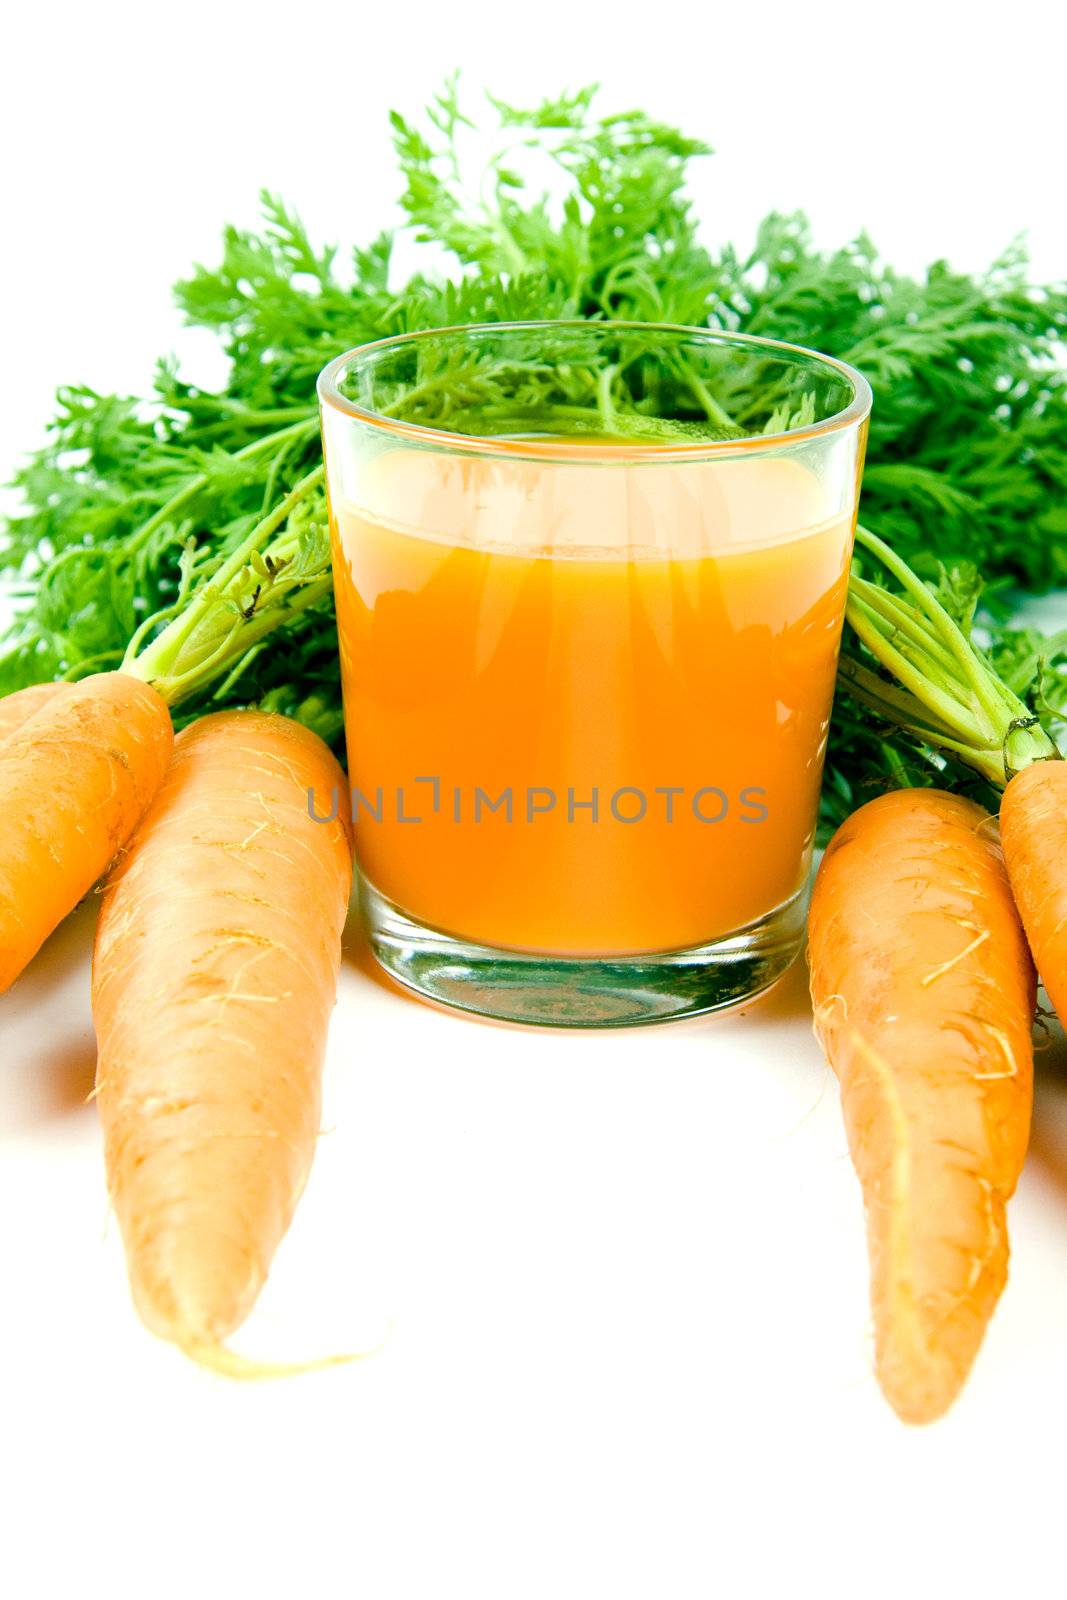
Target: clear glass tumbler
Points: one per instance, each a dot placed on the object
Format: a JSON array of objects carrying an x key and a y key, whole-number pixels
[{"x": 590, "y": 582}]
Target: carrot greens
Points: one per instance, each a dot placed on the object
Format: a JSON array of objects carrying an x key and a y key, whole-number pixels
[{"x": 135, "y": 506}]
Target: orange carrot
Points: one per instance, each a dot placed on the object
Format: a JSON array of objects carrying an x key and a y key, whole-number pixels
[
  {"x": 214, "y": 975},
  {"x": 17, "y": 709},
  {"x": 923, "y": 991},
  {"x": 75, "y": 779},
  {"x": 1033, "y": 830}
]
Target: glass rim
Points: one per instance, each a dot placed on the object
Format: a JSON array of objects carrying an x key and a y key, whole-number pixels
[{"x": 853, "y": 415}]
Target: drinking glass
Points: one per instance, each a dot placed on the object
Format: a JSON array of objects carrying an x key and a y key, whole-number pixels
[{"x": 590, "y": 582}]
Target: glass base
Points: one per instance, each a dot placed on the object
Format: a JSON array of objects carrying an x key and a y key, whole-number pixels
[{"x": 582, "y": 992}]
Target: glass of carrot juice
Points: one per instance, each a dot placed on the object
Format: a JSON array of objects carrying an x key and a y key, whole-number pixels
[{"x": 590, "y": 582}]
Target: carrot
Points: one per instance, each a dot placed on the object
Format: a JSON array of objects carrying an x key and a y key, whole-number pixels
[
  {"x": 17, "y": 709},
  {"x": 923, "y": 991},
  {"x": 1033, "y": 829},
  {"x": 75, "y": 779},
  {"x": 214, "y": 975}
]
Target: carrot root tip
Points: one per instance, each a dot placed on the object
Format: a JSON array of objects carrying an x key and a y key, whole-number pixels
[{"x": 229, "y": 1364}]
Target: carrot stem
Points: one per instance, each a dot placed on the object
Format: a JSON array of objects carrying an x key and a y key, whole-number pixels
[
  {"x": 911, "y": 624},
  {"x": 949, "y": 695},
  {"x": 986, "y": 686},
  {"x": 948, "y": 709},
  {"x": 280, "y": 569}
]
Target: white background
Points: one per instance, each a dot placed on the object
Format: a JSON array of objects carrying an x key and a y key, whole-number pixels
[{"x": 623, "y": 1276}]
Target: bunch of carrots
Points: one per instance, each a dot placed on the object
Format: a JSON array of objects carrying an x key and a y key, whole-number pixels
[
  {"x": 222, "y": 903},
  {"x": 218, "y": 949}
]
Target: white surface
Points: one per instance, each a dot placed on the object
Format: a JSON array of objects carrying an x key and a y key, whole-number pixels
[
  {"x": 626, "y": 1282},
  {"x": 625, "y": 1273}
]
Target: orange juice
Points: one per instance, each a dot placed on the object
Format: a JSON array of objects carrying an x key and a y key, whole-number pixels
[{"x": 586, "y": 702}]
